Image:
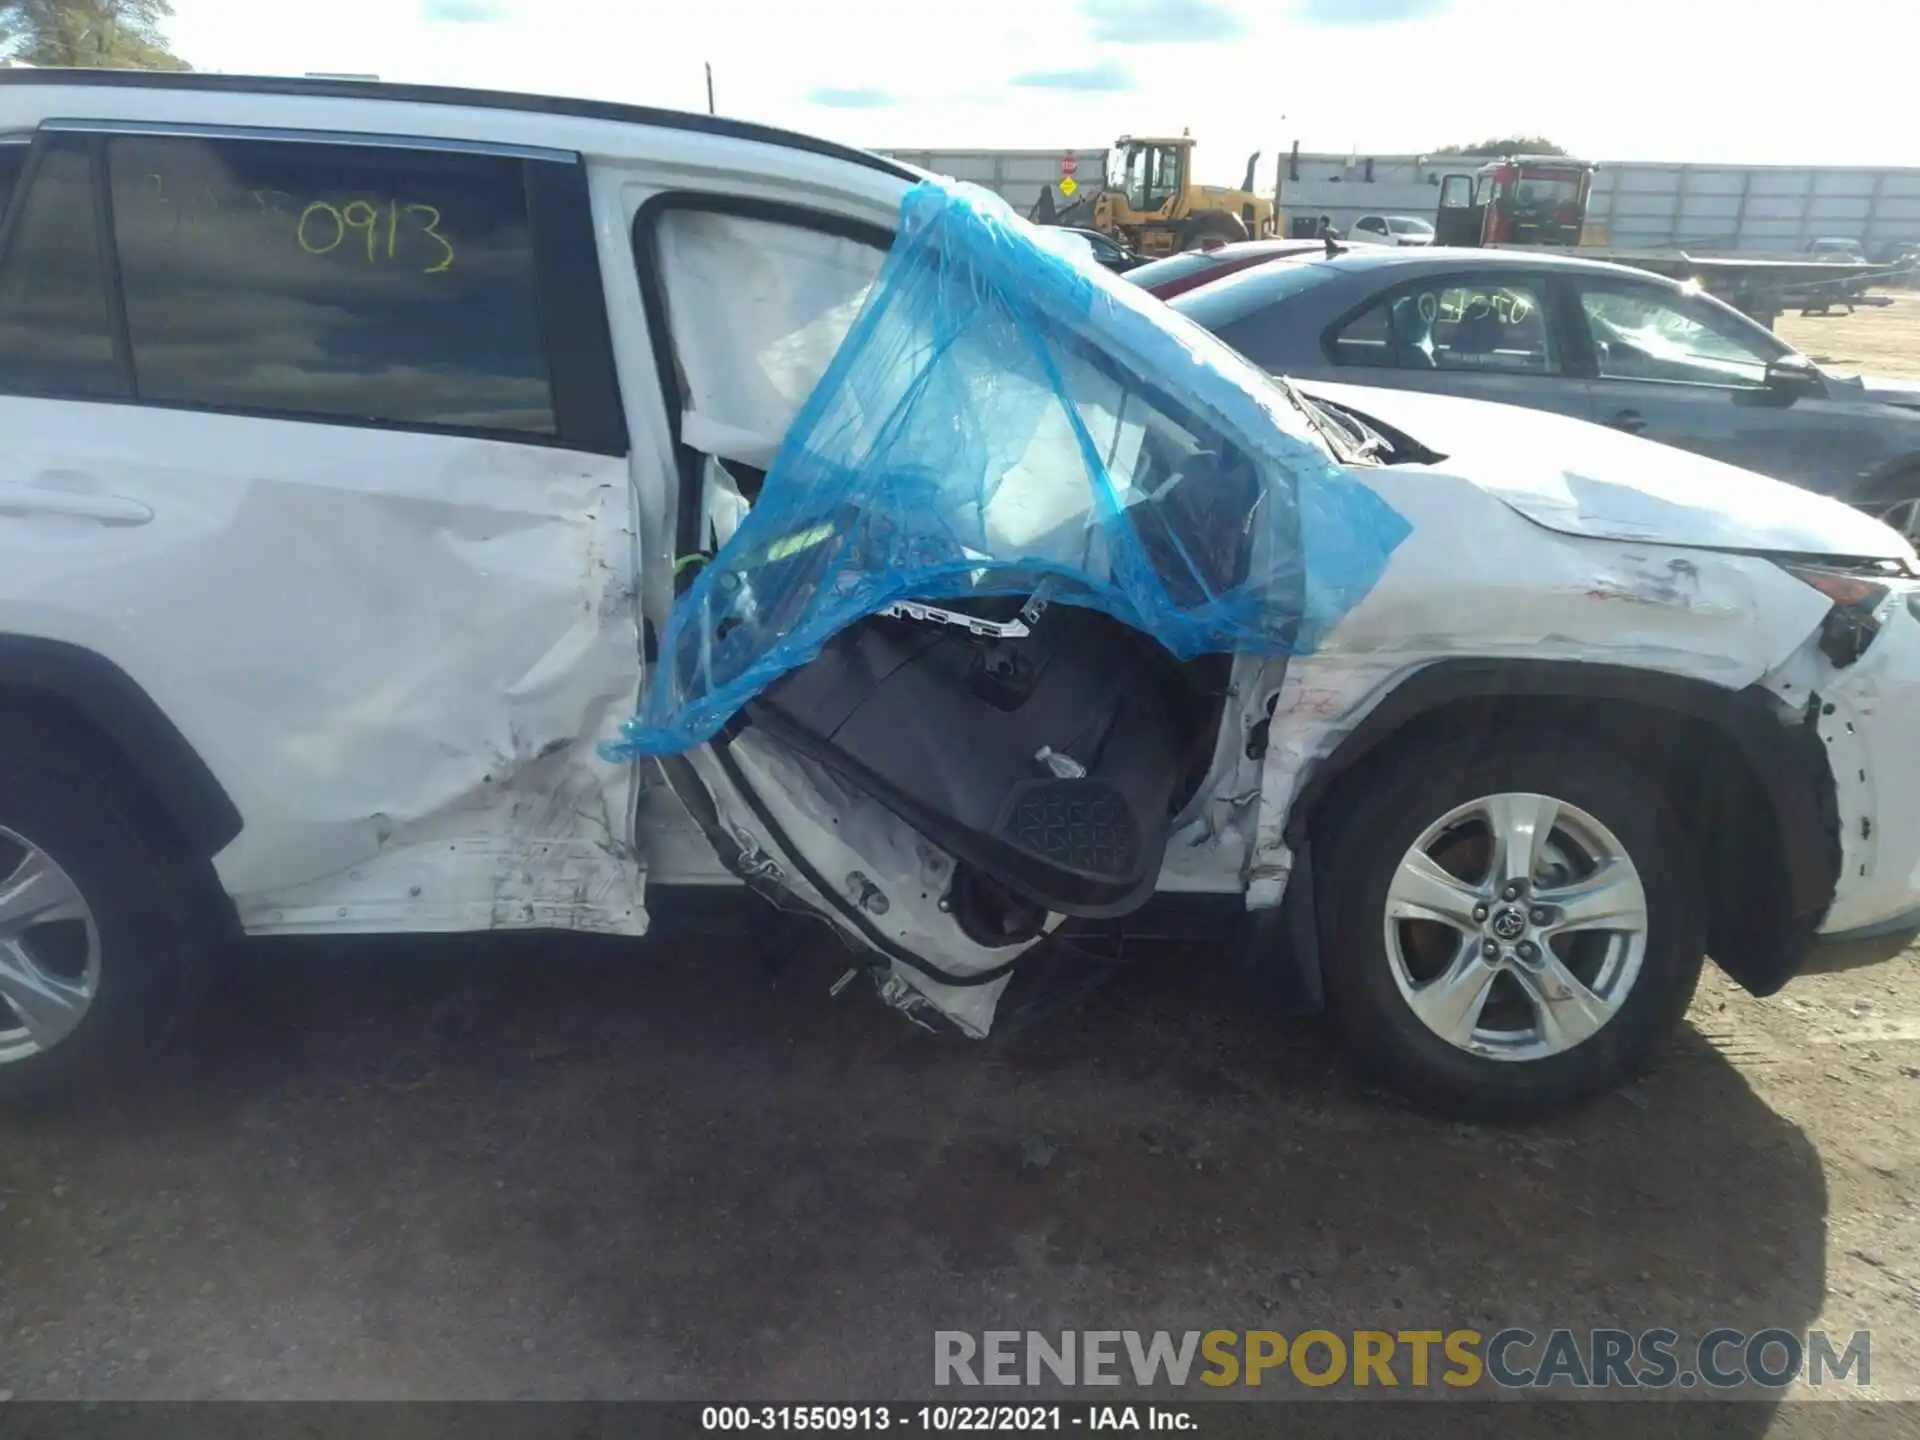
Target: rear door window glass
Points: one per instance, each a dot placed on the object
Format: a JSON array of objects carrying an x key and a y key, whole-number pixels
[
  {"x": 56, "y": 327},
  {"x": 1490, "y": 327},
  {"x": 1500, "y": 328},
  {"x": 334, "y": 281}
]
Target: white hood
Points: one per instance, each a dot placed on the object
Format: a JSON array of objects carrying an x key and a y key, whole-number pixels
[{"x": 1585, "y": 479}]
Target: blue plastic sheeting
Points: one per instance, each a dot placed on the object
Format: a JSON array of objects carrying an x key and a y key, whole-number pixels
[{"x": 1005, "y": 415}]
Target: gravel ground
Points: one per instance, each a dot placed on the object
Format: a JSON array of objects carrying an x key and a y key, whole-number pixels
[
  {"x": 554, "y": 1168},
  {"x": 1878, "y": 340}
]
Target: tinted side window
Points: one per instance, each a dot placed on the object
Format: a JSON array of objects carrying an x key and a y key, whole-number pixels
[
  {"x": 56, "y": 331},
  {"x": 331, "y": 280},
  {"x": 1452, "y": 327},
  {"x": 13, "y": 159},
  {"x": 1491, "y": 327}
]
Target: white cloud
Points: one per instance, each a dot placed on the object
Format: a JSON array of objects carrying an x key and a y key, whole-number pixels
[
  {"x": 1101, "y": 78},
  {"x": 1643, "y": 79}
]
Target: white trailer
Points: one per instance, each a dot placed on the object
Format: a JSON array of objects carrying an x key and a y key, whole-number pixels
[{"x": 1752, "y": 209}]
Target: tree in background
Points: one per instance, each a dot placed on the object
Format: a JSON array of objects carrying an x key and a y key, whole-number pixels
[
  {"x": 1511, "y": 145},
  {"x": 100, "y": 34}
]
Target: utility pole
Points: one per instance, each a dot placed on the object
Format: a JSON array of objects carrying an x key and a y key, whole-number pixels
[{"x": 710, "y": 109}]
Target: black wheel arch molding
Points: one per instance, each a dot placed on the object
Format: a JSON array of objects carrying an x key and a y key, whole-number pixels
[
  {"x": 1781, "y": 761},
  {"x": 53, "y": 676}
]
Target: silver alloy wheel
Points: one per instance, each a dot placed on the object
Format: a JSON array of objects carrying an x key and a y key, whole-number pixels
[
  {"x": 1904, "y": 516},
  {"x": 1516, "y": 926},
  {"x": 49, "y": 951}
]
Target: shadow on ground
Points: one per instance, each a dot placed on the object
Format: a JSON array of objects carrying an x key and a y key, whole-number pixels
[{"x": 548, "y": 1167}]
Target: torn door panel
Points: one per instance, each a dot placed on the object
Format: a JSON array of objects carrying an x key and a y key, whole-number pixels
[
  {"x": 895, "y": 888},
  {"x": 1005, "y": 416}
]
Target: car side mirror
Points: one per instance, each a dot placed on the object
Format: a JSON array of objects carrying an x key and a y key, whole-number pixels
[{"x": 1793, "y": 377}]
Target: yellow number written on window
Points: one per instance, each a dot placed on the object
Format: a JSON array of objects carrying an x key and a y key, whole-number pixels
[
  {"x": 324, "y": 228},
  {"x": 381, "y": 230}
]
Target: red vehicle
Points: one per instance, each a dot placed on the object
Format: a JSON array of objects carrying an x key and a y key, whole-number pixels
[
  {"x": 1190, "y": 269},
  {"x": 1520, "y": 200}
]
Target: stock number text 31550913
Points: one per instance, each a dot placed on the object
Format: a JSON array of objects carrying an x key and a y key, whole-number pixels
[{"x": 387, "y": 231}]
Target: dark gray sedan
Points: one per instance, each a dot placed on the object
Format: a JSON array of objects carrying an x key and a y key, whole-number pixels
[{"x": 1595, "y": 341}]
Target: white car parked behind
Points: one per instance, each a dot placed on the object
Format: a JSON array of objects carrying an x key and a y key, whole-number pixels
[{"x": 1390, "y": 230}]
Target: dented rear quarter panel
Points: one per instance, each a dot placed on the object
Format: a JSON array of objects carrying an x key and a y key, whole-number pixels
[{"x": 394, "y": 650}]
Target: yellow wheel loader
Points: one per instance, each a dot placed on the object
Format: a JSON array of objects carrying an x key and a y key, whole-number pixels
[{"x": 1150, "y": 204}]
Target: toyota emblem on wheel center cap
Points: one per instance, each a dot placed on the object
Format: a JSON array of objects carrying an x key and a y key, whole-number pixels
[{"x": 1509, "y": 924}]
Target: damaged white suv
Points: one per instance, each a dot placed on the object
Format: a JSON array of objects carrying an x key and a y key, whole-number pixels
[{"x": 368, "y": 447}]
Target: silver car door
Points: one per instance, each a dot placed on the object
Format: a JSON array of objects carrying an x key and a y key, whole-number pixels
[{"x": 1687, "y": 372}]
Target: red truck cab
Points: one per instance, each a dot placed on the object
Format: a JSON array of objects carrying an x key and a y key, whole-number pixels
[{"x": 1518, "y": 200}]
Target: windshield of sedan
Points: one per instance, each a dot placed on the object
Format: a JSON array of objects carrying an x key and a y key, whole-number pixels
[{"x": 1407, "y": 225}]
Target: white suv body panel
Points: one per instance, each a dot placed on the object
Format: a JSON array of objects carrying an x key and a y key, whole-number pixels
[{"x": 410, "y": 745}]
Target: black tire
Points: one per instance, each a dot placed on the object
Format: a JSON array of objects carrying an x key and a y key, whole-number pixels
[
  {"x": 72, "y": 803},
  {"x": 1378, "y": 819},
  {"x": 1212, "y": 225}
]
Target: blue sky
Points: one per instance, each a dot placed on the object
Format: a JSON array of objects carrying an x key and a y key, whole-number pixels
[{"x": 1635, "y": 79}]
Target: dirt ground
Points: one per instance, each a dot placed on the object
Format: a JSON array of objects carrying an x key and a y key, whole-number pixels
[
  {"x": 558, "y": 1168},
  {"x": 550, "y": 1167},
  {"x": 1879, "y": 341}
]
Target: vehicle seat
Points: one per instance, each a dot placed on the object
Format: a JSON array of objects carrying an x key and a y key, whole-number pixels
[
  {"x": 1481, "y": 333},
  {"x": 1412, "y": 335}
]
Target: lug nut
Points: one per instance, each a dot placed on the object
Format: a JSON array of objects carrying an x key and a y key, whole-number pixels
[
  {"x": 1479, "y": 912},
  {"x": 1512, "y": 892},
  {"x": 1490, "y": 950},
  {"x": 1528, "y": 950},
  {"x": 1539, "y": 915}
]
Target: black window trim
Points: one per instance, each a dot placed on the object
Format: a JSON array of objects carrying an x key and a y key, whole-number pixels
[
  {"x": 37, "y": 151},
  {"x": 374, "y": 139},
  {"x": 577, "y": 347},
  {"x": 1553, "y": 295},
  {"x": 653, "y": 299},
  {"x": 110, "y": 277}
]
